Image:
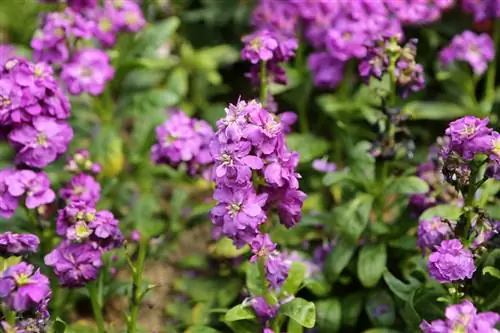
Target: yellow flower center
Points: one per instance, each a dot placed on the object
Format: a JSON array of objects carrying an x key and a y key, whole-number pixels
[{"x": 41, "y": 139}]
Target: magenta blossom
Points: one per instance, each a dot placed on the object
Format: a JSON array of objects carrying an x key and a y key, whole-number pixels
[
  {"x": 18, "y": 244},
  {"x": 35, "y": 186},
  {"x": 451, "y": 262},
  {"x": 8, "y": 202},
  {"x": 82, "y": 187}
]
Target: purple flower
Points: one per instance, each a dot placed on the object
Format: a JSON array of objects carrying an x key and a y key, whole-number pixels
[
  {"x": 82, "y": 187},
  {"x": 75, "y": 212},
  {"x": 262, "y": 309},
  {"x": 482, "y": 10},
  {"x": 432, "y": 232},
  {"x": 35, "y": 186},
  {"x": 8, "y": 202},
  {"x": 78, "y": 5},
  {"x": 105, "y": 231},
  {"x": 475, "y": 49},
  {"x": 52, "y": 43},
  {"x": 238, "y": 213},
  {"x": 463, "y": 317},
  {"x": 105, "y": 28},
  {"x": 259, "y": 46},
  {"x": 18, "y": 244},
  {"x": 74, "y": 264},
  {"x": 275, "y": 264},
  {"x": 322, "y": 165},
  {"x": 418, "y": 11},
  {"x": 23, "y": 288},
  {"x": 451, "y": 262},
  {"x": 181, "y": 139},
  {"x": 126, "y": 14},
  {"x": 327, "y": 71},
  {"x": 42, "y": 142},
  {"x": 346, "y": 41},
  {"x": 279, "y": 16},
  {"x": 88, "y": 71}
]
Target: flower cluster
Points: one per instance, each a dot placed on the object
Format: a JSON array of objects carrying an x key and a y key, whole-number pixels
[
  {"x": 86, "y": 232},
  {"x": 440, "y": 192},
  {"x": 470, "y": 141},
  {"x": 347, "y": 25},
  {"x": 451, "y": 262},
  {"x": 482, "y": 10},
  {"x": 270, "y": 48},
  {"x": 385, "y": 55},
  {"x": 463, "y": 317},
  {"x": 432, "y": 232},
  {"x": 254, "y": 173},
  {"x": 18, "y": 244},
  {"x": 477, "y": 50},
  {"x": 183, "y": 140}
]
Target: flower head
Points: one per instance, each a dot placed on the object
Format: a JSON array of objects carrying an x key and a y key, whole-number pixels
[
  {"x": 88, "y": 71},
  {"x": 8, "y": 202},
  {"x": 42, "y": 142},
  {"x": 82, "y": 187},
  {"x": 18, "y": 244},
  {"x": 432, "y": 232},
  {"x": 451, "y": 262},
  {"x": 75, "y": 264},
  {"x": 23, "y": 288},
  {"x": 80, "y": 162},
  {"x": 262, "y": 309},
  {"x": 34, "y": 186}
]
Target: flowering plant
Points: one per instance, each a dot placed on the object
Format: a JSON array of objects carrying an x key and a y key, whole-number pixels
[{"x": 232, "y": 166}]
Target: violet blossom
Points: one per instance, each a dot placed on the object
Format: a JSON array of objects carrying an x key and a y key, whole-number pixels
[
  {"x": 82, "y": 187},
  {"x": 432, "y": 232},
  {"x": 18, "y": 244},
  {"x": 8, "y": 202},
  {"x": 34, "y": 186},
  {"x": 451, "y": 262}
]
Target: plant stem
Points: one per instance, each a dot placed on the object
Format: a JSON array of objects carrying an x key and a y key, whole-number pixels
[
  {"x": 96, "y": 306},
  {"x": 469, "y": 203},
  {"x": 265, "y": 285},
  {"x": 303, "y": 121},
  {"x": 136, "y": 296},
  {"x": 489, "y": 95},
  {"x": 263, "y": 82}
]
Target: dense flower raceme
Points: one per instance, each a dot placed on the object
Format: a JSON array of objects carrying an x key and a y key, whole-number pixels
[
  {"x": 23, "y": 288},
  {"x": 408, "y": 75},
  {"x": 75, "y": 264},
  {"x": 475, "y": 49},
  {"x": 451, "y": 262},
  {"x": 18, "y": 244},
  {"x": 250, "y": 144},
  {"x": 463, "y": 317},
  {"x": 29, "y": 90},
  {"x": 182, "y": 139},
  {"x": 82, "y": 187},
  {"x": 79, "y": 222},
  {"x": 440, "y": 192},
  {"x": 466, "y": 138},
  {"x": 88, "y": 72},
  {"x": 482, "y": 10}
]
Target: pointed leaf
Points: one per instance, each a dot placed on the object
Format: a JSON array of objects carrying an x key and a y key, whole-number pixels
[
  {"x": 296, "y": 276},
  {"x": 371, "y": 264},
  {"x": 300, "y": 310},
  {"x": 329, "y": 315},
  {"x": 239, "y": 312}
]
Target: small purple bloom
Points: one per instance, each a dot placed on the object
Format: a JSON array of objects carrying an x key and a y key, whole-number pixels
[
  {"x": 75, "y": 264},
  {"x": 451, "y": 262},
  {"x": 23, "y": 288},
  {"x": 262, "y": 309},
  {"x": 80, "y": 162},
  {"x": 82, "y": 187},
  {"x": 35, "y": 186},
  {"x": 327, "y": 71},
  {"x": 322, "y": 165},
  {"x": 8, "y": 202},
  {"x": 432, "y": 232},
  {"x": 482, "y": 10},
  {"x": 259, "y": 46},
  {"x": 126, "y": 14},
  {"x": 42, "y": 142},
  {"x": 475, "y": 49},
  {"x": 88, "y": 71},
  {"x": 18, "y": 244}
]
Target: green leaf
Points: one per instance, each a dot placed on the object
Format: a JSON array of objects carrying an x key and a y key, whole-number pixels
[
  {"x": 408, "y": 185},
  {"x": 200, "y": 329},
  {"x": 350, "y": 219},
  {"x": 178, "y": 82},
  {"x": 239, "y": 312},
  {"x": 329, "y": 315},
  {"x": 108, "y": 151},
  {"x": 495, "y": 272},
  {"x": 254, "y": 280},
  {"x": 371, "y": 264},
  {"x": 308, "y": 146},
  {"x": 451, "y": 212},
  {"x": 352, "y": 306},
  {"x": 380, "y": 309},
  {"x": 400, "y": 289},
  {"x": 296, "y": 276},
  {"x": 318, "y": 285},
  {"x": 434, "y": 110},
  {"x": 152, "y": 38},
  {"x": 338, "y": 259},
  {"x": 294, "y": 327},
  {"x": 59, "y": 325},
  {"x": 224, "y": 247},
  {"x": 336, "y": 177},
  {"x": 243, "y": 326},
  {"x": 300, "y": 310}
]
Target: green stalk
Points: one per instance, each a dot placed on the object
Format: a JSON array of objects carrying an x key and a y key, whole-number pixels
[
  {"x": 469, "y": 203},
  {"x": 303, "y": 121},
  {"x": 96, "y": 306},
  {"x": 489, "y": 95},
  {"x": 137, "y": 295},
  {"x": 263, "y": 82}
]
